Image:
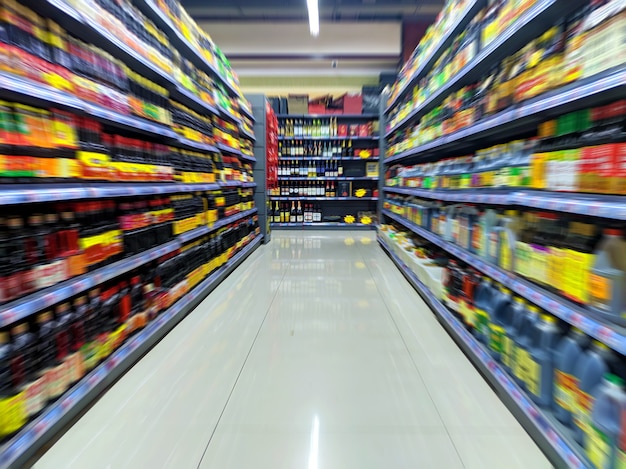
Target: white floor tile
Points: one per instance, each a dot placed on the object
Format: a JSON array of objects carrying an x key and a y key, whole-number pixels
[{"x": 316, "y": 353}]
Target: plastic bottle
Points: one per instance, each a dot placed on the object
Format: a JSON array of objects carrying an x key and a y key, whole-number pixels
[
  {"x": 540, "y": 375},
  {"x": 483, "y": 307},
  {"x": 606, "y": 280},
  {"x": 467, "y": 219},
  {"x": 497, "y": 332},
  {"x": 508, "y": 241},
  {"x": 494, "y": 239},
  {"x": 578, "y": 246},
  {"x": 512, "y": 319},
  {"x": 488, "y": 222},
  {"x": 567, "y": 354},
  {"x": 477, "y": 233},
  {"x": 522, "y": 345},
  {"x": 601, "y": 444},
  {"x": 590, "y": 368}
]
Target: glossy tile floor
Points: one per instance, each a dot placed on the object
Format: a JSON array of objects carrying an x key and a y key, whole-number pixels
[{"x": 315, "y": 354}]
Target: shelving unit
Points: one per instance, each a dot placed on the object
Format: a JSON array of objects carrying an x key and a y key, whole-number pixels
[
  {"x": 26, "y": 444},
  {"x": 520, "y": 120},
  {"x": 342, "y": 148},
  {"x": 547, "y": 432},
  {"x": 29, "y": 439}
]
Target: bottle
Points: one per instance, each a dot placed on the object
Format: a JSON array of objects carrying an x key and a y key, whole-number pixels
[
  {"x": 12, "y": 403},
  {"x": 25, "y": 375},
  {"x": 512, "y": 319},
  {"x": 277, "y": 213},
  {"x": 497, "y": 332},
  {"x": 293, "y": 216},
  {"x": 607, "y": 278},
  {"x": 590, "y": 368},
  {"x": 540, "y": 374},
  {"x": 340, "y": 169},
  {"x": 488, "y": 222},
  {"x": 566, "y": 355},
  {"x": 522, "y": 343},
  {"x": 299, "y": 214},
  {"x": 332, "y": 190},
  {"x": 578, "y": 251},
  {"x": 601, "y": 446},
  {"x": 483, "y": 307},
  {"x": 507, "y": 241}
]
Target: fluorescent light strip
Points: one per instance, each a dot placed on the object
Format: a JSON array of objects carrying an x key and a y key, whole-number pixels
[{"x": 314, "y": 17}]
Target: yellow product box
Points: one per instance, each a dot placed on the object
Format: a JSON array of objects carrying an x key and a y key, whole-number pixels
[
  {"x": 95, "y": 165},
  {"x": 182, "y": 226},
  {"x": 13, "y": 415},
  {"x": 538, "y": 171}
]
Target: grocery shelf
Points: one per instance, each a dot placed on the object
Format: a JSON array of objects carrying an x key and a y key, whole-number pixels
[
  {"x": 593, "y": 205},
  {"x": 554, "y": 442},
  {"x": 322, "y": 226},
  {"x": 17, "y": 451},
  {"x": 540, "y": 16},
  {"x": 34, "y": 93},
  {"x": 30, "y": 304},
  {"x": 41, "y": 94},
  {"x": 327, "y": 116},
  {"x": 447, "y": 39},
  {"x": 228, "y": 149},
  {"x": 326, "y": 158},
  {"x": 473, "y": 196},
  {"x": 180, "y": 42},
  {"x": 227, "y": 114},
  {"x": 353, "y": 137},
  {"x": 611, "y": 335},
  {"x": 247, "y": 113},
  {"x": 339, "y": 178},
  {"x": 183, "y": 142},
  {"x": 184, "y": 96},
  {"x": 252, "y": 159},
  {"x": 247, "y": 134},
  {"x": 31, "y": 193},
  {"x": 320, "y": 198},
  {"x": 604, "y": 86}
]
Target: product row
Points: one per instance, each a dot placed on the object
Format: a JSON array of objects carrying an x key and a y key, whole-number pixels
[
  {"x": 203, "y": 45},
  {"x": 324, "y": 128},
  {"x": 313, "y": 213},
  {"x": 323, "y": 189},
  {"x": 41, "y": 145},
  {"x": 329, "y": 149},
  {"x": 42, "y": 357},
  {"x": 577, "y": 47},
  {"x": 42, "y": 245},
  {"x": 41, "y": 50},
  {"x": 573, "y": 256}
]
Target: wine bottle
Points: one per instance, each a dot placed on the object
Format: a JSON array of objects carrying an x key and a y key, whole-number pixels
[
  {"x": 277, "y": 213},
  {"x": 292, "y": 215},
  {"x": 339, "y": 169},
  {"x": 299, "y": 214}
]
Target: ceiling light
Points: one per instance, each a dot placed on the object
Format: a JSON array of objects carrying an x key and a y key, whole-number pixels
[{"x": 314, "y": 17}]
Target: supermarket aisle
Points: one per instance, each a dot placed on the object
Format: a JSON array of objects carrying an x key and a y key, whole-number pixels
[{"x": 315, "y": 353}]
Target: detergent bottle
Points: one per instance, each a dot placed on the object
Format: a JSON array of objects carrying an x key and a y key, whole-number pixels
[
  {"x": 540, "y": 371},
  {"x": 522, "y": 345},
  {"x": 497, "y": 332},
  {"x": 511, "y": 321},
  {"x": 601, "y": 444},
  {"x": 567, "y": 354}
]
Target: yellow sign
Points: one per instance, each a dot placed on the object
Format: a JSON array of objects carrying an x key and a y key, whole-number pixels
[{"x": 349, "y": 219}]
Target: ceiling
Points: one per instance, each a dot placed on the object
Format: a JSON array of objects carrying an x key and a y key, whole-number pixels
[
  {"x": 295, "y": 10},
  {"x": 270, "y": 38}
]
